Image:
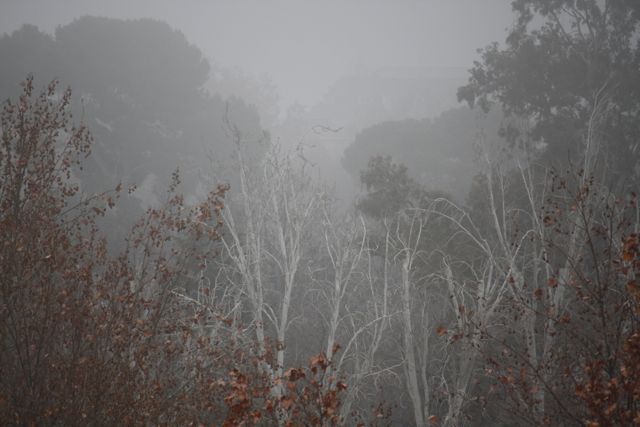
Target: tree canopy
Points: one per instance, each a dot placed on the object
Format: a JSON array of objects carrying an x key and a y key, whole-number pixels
[
  {"x": 440, "y": 153},
  {"x": 141, "y": 86},
  {"x": 571, "y": 67}
]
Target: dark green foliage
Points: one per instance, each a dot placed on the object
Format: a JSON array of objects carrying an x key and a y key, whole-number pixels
[
  {"x": 140, "y": 88},
  {"x": 390, "y": 189},
  {"x": 439, "y": 153},
  {"x": 573, "y": 68},
  {"x": 146, "y": 60}
]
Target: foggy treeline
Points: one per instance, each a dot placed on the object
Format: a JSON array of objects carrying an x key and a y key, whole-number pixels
[{"x": 424, "y": 245}]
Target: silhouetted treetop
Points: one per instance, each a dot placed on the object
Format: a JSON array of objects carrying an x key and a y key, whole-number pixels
[{"x": 566, "y": 63}]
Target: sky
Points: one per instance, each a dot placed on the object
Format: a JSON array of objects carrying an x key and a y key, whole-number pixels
[{"x": 303, "y": 46}]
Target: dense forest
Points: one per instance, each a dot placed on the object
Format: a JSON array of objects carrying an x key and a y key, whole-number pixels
[{"x": 173, "y": 252}]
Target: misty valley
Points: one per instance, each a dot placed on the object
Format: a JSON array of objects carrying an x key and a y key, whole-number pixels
[{"x": 454, "y": 243}]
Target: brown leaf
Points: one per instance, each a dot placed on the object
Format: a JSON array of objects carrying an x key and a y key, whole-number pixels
[
  {"x": 318, "y": 360},
  {"x": 286, "y": 403},
  {"x": 336, "y": 348}
]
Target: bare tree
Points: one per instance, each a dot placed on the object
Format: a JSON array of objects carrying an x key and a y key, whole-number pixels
[
  {"x": 354, "y": 305},
  {"x": 266, "y": 224}
]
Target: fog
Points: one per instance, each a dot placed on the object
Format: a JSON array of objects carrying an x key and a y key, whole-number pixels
[
  {"x": 320, "y": 213},
  {"x": 303, "y": 46},
  {"x": 316, "y": 63}
]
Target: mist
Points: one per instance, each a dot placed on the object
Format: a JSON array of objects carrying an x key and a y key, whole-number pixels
[
  {"x": 296, "y": 212},
  {"x": 303, "y": 46}
]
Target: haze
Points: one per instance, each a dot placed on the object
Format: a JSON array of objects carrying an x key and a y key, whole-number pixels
[
  {"x": 303, "y": 45},
  {"x": 322, "y": 213}
]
